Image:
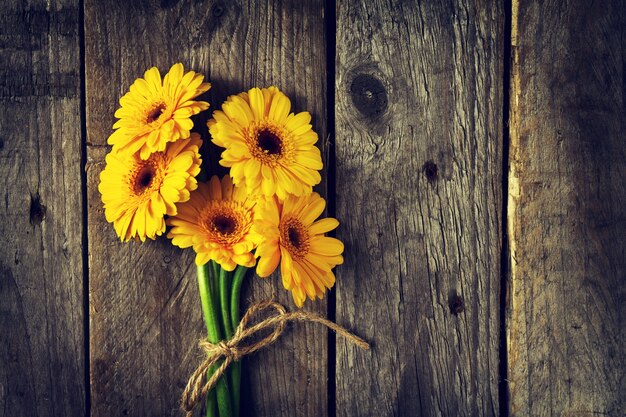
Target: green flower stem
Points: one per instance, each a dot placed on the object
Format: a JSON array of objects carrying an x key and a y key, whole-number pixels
[
  {"x": 225, "y": 287},
  {"x": 235, "y": 373},
  {"x": 211, "y": 403},
  {"x": 225, "y": 281},
  {"x": 204, "y": 283},
  {"x": 240, "y": 274},
  {"x": 212, "y": 320},
  {"x": 214, "y": 284}
]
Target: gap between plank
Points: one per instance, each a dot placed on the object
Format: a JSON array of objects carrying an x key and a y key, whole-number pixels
[
  {"x": 503, "y": 386},
  {"x": 85, "y": 215},
  {"x": 330, "y": 24}
]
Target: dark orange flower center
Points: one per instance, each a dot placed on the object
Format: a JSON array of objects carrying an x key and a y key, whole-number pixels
[
  {"x": 269, "y": 142},
  {"x": 155, "y": 113},
  {"x": 147, "y": 176},
  {"x": 143, "y": 179},
  {"x": 224, "y": 224},
  {"x": 295, "y": 237}
]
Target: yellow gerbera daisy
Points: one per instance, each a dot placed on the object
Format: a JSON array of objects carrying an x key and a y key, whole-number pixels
[
  {"x": 155, "y": 112},
  {"x": 217, "y": 222},
  {"x": 137, "y": 193},
  {"x": 289, "y": 235},
  {"x": 269, "y": 150}
]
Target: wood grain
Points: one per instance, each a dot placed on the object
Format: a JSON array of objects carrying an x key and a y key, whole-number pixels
[
  {"x": 419, "y": 194},
  {"x": 419, "y": 106},
  {"x": 567, "y": 220},
  {"x": 41, "y": 268},
  {"x": 145, "y": 312}
]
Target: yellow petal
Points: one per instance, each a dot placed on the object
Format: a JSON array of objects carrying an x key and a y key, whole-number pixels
[
  {"x": 323, "y": 225},
  {"x": 313, "y": 210},
  {"x": 305, "y": 279},
  {"x": 297, "y": 122},
  {"x": 268, "y": 264},
  {"x": 215, "y": 188},
  {"x": 227, "y": 188},
  {"x": 257, "y": 104},
  {"x": 298, "y": 296},
  {"x": 328, "y": 246},
  {"x": 202, "y": 258},
  {"x": 280, "y": 107}
]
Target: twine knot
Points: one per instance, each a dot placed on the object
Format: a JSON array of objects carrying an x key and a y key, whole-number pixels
[
  {"x": 232, "y": 350},
  {"x": 221, "y": 349}
]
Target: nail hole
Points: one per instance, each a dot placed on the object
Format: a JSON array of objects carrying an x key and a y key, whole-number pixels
[
  {"x": 217, "y": 10},
  {"x": 166, "y": 4},
  {"x": 456, "y": 303},
  {"x": 37, "y": 210},
  {"x": 430, "y": 170}
]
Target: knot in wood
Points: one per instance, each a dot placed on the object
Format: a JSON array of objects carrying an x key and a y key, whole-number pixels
[{"x": 368, "y": 95}]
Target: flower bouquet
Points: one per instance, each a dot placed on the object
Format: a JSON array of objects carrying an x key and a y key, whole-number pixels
[{"x": 263, "y": 214}]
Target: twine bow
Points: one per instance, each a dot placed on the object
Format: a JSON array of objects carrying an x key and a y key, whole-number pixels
[{"x": 234, "y": 349}]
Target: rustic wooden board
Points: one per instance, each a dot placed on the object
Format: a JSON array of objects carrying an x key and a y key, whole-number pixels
[
  {"x": 41, "y": 268},
  {"x": 419, "y": 192},
  {"x": 566, "y": 209},
  {"x": 419, "y": 186},
  {"x": 144, "y": 307}
]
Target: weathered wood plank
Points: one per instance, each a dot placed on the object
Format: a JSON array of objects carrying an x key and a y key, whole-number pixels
[
  {"x": 145, "y": 310},
  {"x": 419, "y": 147},
  {"x": 41, "y": 268},
  {"x": 567, "y": 220}
]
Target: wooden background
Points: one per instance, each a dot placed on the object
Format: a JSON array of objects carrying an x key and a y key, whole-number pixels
[{"x": 475, "y": 155}]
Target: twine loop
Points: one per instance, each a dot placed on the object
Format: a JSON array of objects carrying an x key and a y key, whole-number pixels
[{"x": 235, "y": 348}]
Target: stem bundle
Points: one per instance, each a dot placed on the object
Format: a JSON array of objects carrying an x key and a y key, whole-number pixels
[{"x": 219, "y": 295}]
